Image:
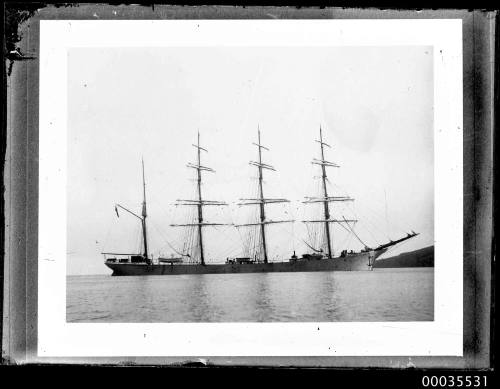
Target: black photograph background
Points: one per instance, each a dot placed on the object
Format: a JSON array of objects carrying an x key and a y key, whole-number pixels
[{"x": 21, "y": 203}]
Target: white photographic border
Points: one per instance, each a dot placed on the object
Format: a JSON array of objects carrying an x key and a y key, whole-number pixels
[{"x": 442, "y": 337}]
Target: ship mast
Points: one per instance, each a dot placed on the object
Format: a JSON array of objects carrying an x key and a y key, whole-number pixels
[
  {"x": 200, "y": 205},
  {"x": 326, "y": 199},
  {"x": 262, "y": 201},
  {"x": 144, "y": 215},
  {"x": 199, "y": 202},
  {"x": 261, "y": 205},
  {"x": 141, "y": 217},
  {"x": 325, "y": 193}
]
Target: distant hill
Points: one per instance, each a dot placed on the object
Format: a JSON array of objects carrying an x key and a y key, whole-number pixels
[{"x": 418, "y": 258}]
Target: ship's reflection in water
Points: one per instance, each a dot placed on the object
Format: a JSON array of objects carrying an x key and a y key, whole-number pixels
[{"x": 380, "y": 295}]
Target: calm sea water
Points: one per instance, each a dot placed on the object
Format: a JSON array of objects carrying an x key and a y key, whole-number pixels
[{"x": 404, "y": 294}]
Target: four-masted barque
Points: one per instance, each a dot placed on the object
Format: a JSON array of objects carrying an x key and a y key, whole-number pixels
[{"x": 319, "y": 259}]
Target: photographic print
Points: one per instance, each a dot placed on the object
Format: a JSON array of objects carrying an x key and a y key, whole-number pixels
[
  {"x": 250, "y": 188},
  {"x": 250, "y": 184}
]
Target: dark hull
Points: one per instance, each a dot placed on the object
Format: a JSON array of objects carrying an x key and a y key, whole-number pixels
[{"x": 353, "y": 262}]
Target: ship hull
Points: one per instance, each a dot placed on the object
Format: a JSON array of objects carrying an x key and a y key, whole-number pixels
[{"x": 353, "y": 262}]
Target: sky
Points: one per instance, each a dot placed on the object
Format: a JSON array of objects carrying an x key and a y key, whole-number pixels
[{"x": 374, "y": 104}]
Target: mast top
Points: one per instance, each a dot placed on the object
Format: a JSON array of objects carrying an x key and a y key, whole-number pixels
[
  {"x": 144, "y": 213},
  {"x": 258, "y": 144},
  {"x": 320, "y": 141}
]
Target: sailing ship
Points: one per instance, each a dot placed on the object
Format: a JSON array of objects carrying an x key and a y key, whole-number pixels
[{"x": 318, "y": 259}]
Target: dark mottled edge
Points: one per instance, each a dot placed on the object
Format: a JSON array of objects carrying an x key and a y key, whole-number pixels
[{"x": 19, "y": 338}]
